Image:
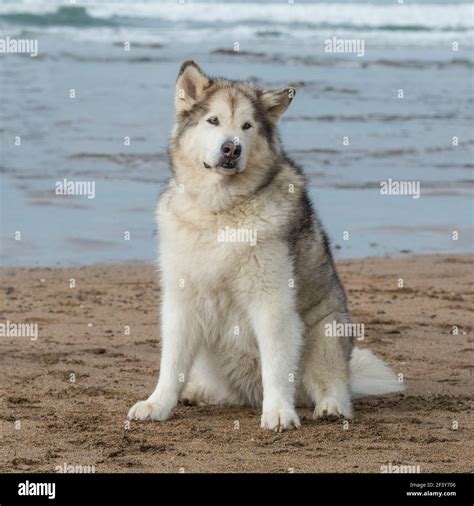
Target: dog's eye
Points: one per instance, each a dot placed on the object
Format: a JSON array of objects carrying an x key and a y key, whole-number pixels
[
  {"x": 246, "y": 126},
  {"x": 213, "y": 120}
]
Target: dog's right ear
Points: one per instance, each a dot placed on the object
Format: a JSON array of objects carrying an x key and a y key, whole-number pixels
[{"x": 190, "y": 86}]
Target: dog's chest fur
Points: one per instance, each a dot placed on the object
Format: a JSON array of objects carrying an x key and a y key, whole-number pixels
[{"x": 215, "y": 274}]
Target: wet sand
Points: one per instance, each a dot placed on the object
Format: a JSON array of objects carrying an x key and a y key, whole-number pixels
[{"x": 64, "y": 397}]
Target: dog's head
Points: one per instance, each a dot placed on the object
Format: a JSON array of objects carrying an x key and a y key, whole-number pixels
[{"x": 224, "y": 126}]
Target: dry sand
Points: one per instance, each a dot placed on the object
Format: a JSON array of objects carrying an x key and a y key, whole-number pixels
[{"x": 82, "y": 338}]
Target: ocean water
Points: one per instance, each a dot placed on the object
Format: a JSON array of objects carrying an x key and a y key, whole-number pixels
[{"x": 121, "y": 59}]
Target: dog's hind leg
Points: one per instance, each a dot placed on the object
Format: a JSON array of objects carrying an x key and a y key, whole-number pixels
[
  {"x": 326, "y": 376},
  {"x": 206, "y": 385}
]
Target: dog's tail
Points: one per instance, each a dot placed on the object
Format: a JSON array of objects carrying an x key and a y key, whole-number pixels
[{"x": 370, "y": 375}]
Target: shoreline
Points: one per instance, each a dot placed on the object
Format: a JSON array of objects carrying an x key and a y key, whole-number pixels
[
  {"x": 70, "y": 389},
  {"x": 145, "y": 263}
]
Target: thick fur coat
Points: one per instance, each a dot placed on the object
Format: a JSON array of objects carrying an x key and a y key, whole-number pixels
[{"x": 249, "y": 284}]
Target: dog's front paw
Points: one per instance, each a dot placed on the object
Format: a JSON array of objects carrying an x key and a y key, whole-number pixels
[
  {"x": 280, "y": 419},
  {"x": 332, "y": 407},
  {"x": 144, "y": 410}
]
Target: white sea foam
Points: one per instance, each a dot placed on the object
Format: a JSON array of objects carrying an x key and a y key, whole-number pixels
[{"x": 410, "y": 16}]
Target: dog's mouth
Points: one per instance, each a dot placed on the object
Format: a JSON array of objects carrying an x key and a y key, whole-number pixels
[{"x": 227, "y": 168}]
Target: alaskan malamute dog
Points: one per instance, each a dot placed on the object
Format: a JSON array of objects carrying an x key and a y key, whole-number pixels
[{"x": 248, "y": 282}]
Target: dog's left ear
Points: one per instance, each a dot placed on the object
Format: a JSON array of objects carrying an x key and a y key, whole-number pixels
[
  {"x": 276, "y": 102},
  {"x": 190, "y": 85}
]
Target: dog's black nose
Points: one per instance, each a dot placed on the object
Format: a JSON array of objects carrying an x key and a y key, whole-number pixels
[{"x": 231, "y": 150}]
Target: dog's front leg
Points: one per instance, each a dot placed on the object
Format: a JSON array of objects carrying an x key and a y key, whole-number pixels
[
  {"x": 278, "y": 329},
  {"x": 179, "y": 341}
]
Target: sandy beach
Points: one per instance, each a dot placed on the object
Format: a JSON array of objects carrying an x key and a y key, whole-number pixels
[{"x": 64, "y": 396}]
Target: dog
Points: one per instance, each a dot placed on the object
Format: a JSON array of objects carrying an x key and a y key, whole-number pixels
[{"x": 249, "y": 286}]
